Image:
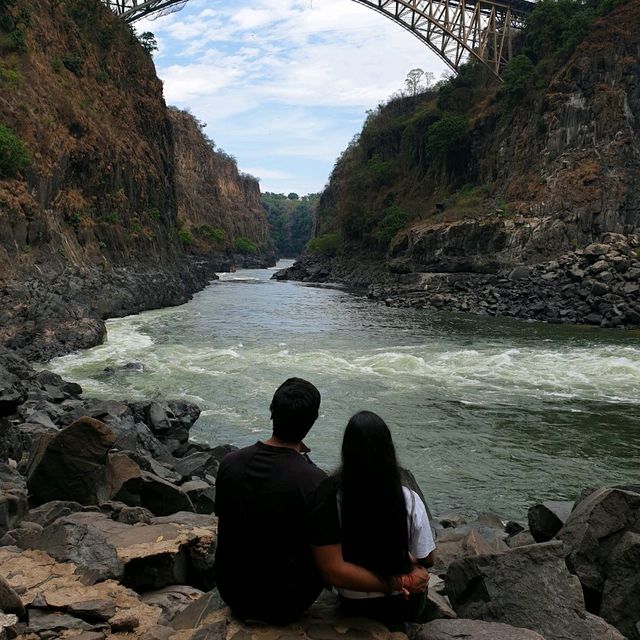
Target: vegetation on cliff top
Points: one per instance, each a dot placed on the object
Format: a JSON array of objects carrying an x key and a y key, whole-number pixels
[{"x": 433, "y": 156}]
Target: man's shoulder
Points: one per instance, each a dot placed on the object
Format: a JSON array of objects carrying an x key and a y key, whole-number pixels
[{"x": 239, "y": 456}]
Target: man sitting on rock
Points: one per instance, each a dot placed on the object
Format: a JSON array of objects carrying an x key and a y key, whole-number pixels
[{"x": 264, "y": 567}]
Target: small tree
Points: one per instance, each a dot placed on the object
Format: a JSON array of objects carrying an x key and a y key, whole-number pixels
[
  {"x": 293, "y": 196},
  {"x": 148, "y": 42},
  {"x": 413, "y": 81}
]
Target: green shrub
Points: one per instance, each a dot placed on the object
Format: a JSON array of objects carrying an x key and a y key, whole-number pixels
[
  {"x": 517, "y": 79},
  {"x": 327, "y": 244},
  {"x": 136, "y": 227},
  {"x": 447, "y": 137},
  {"x": 13, "y": 154},
  {"x": 379, "y": 169},
  {"x": 394, "y": 219},
  {"x": 74, "y": 219},
  {"x": 73, "y": 62},
  {"x": 185, "y": 237},
  {"x": 9, "y": 77},
  {"x": 56, "y": 65},
  {"x": 113, "y": 217},
  {"x": 212, "y": 234},
  {"x": 153, "y": 213},
  {"x": 244, "y": 245},
  {"x": 14, "y": 41}
]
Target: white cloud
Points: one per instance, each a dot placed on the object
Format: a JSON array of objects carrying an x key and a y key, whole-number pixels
[{"x": 282, "y": 81}]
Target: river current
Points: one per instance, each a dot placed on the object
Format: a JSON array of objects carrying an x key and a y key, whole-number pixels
[{"x": 489, "y": 414}]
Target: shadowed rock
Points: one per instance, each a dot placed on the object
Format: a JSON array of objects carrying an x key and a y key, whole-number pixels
[
  {"x": 546, "y": 519},
  {"x": 472, "y": 630},
  {"x": 71, "y": 464},
  {"x": 527, "y": 587}
]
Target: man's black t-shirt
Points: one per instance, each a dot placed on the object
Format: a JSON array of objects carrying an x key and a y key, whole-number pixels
[{"x": 264, "y": 566}]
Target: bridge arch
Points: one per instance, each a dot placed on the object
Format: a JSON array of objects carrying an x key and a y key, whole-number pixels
[{"x": 453, "y": 29}]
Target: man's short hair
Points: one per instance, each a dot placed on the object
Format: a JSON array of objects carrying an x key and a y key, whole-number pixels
[{"x": 294, "y": 409}]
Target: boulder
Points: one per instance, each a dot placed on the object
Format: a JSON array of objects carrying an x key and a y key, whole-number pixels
[
  {"x": 70, "y": 539},
  {"x": 71, "y": 464},
  {"x": 621, "y": 591},
  {"x": 201, "y": 494},
  {"x": 592, "y": 532},
  {"x": 472, "y": 630},
  {"x": 161, "y": 497},
  {"x": 131, "y": 435},
  {"x": 527, "y": 587},
  {"x": 547, "y": 518},
  {"x": 13, "y": 498},
  {"x": 128, "y": 483},
  {"x": 169, "y": 421},
  {"x": 463, "y": 541}
]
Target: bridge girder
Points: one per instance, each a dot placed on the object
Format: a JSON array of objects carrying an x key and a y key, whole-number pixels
[{"x": 454, "y": 29}]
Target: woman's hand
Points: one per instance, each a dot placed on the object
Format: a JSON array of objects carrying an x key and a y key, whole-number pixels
[{"x": 416, "y": 581}]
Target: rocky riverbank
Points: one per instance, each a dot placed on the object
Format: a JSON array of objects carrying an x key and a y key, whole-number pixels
[
  {"x": 598, "y": 285},
  {"x": 107, "y": 530}
]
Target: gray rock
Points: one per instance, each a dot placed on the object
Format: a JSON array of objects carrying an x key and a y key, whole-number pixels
[
  {"x": 72, "y": 539},
  {"x": 42, "y": 621},
  {"x": 527, "y": 587},
  {"x": 47, "y": 513},
  {"x": 10, "y": 601},
  {"x": 621, "y": 591},
  {"x": 202, "y": 494},
  {"x": 158, "y": 632},
  {"x": 71, "y": 465},
  {"x": 472, "y": 630},
  {"x": 214, "y": 631},
  {"x": 172, "y": 600},
  {"x": 13, "y": 498},
  {"x": 520, "y": 272},
  {"x": 547, "y": 518},
  {"x": 93, "y": 610},
  {"x": 195, "y": 613},
  {"x": 162, "y": 498},
  {"x": 594, "y": 529}
]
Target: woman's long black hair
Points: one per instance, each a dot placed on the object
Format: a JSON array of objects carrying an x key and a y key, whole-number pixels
[{"x": 374, "y": 512}]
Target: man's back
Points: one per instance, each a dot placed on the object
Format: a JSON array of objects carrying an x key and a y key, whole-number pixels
[{"x": 264, "y": 565}]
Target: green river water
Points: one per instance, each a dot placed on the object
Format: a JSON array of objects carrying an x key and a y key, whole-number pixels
[{"x": 489, "y": 414}]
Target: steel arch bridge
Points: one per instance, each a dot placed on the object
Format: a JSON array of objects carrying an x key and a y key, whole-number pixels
[{"x": 454, "y": 29}]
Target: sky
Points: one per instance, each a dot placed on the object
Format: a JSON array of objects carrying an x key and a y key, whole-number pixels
[{"x": 283, "y": 85}]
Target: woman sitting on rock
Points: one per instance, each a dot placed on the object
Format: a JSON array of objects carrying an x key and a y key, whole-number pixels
[{"x": 364, "y": 516}]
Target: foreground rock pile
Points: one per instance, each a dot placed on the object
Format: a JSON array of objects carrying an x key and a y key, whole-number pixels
[{"x": 106, "y": 530}]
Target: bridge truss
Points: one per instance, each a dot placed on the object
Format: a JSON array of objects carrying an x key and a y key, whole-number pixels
[{"x": 453, "y": 29}]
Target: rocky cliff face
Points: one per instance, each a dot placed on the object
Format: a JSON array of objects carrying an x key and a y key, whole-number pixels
[
  {"x": 553, "y": 174},
  {"x": 91, "y": 228},
  {"x": 217, "y": 205}
]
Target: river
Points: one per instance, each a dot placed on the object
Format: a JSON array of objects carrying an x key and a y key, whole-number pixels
[{"x": 489, "y": 414}]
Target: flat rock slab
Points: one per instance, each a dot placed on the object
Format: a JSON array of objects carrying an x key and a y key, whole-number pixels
[
  {"x": 178, "y": 549},
  {"x": 472, "y": 630},
  {"x": 208, "y": 619},
  {"x": 40, "y": 580}
]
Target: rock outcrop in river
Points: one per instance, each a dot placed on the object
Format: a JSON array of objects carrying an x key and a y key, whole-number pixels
[
  {"x": 94, "y": 217},
  {"x": 107, "y": 530},
  {"x": 492, "y": 200}
]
